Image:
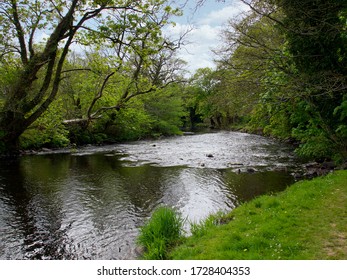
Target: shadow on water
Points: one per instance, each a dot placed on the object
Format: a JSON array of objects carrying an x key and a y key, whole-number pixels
[
  {"x": 90, "y": 206},
  {"x": 31, "y": 222}
]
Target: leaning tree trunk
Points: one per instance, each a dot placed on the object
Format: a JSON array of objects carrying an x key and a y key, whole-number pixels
[
  {"x": 22, "y": 106},
  {"x": 11, "y": 127},
  {"x": 16, "y": 116}
]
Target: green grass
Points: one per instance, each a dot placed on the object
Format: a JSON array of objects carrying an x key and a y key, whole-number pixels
[
  {"x": 307, "y": 221},
  {"x": 161, "y": 231}
]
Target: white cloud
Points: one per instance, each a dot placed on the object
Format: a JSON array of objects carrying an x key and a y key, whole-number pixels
[
  {"x": 206, "y": 33},
  {"x": 201, "y": 39},
  {"x": 198, "y": 53}
]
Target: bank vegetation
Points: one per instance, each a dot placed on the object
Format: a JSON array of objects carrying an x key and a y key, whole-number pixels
[{"x": 105, "y": 71}]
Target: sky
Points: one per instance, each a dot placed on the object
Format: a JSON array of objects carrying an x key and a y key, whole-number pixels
[{"x": 207, "y": 22}]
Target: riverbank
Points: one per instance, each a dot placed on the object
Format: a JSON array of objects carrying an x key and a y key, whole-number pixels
[{"x": 306, "y": 221}]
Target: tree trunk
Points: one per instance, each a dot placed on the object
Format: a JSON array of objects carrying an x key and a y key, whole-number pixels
[
  {"x": 20, "y": 110},
  {"x": 11, "y": 127}
]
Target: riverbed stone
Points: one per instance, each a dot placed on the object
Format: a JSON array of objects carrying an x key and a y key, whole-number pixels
[{"x": 250, "y": 170}]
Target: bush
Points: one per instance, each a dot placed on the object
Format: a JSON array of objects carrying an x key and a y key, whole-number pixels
[
  {"x": 46, "y": 131},
  {"x": 130, "y": 123},
  {"x": 163, "y": 230}
]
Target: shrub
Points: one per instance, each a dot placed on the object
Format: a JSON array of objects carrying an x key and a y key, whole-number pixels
[
  {"x": 163, "y": 229},
  {"x": 48, "y": 130}
]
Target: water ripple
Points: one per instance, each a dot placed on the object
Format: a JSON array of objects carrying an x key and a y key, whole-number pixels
[{"x": 91, "y": 204}]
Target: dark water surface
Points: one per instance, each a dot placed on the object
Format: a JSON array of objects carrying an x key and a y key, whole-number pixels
[{"x": 90, "y": 203}]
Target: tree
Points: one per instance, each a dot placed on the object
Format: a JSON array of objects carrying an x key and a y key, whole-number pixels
[
  {"x": 200, "y": 98},
  {"x": 284, "y": 63},
  {"x": 110, "y": 87},
  {"x": 40, "y": 63},
  {"x": 252, "y": 48},
  {"x": 317, "y": 41}
]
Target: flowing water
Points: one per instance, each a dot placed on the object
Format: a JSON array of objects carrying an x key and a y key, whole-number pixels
[{"x": 89, "y": 203}]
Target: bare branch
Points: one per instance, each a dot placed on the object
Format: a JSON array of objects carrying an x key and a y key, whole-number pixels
[{"x": 98, "y": 95}]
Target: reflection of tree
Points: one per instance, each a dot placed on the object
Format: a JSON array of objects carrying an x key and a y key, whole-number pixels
[
  {"x": 145, "y": 186},
  {"x": 110, "y": 202},
  {"x": 69, "y": 207},
  {"x": 112, "y": 183},
  {"x": 246, "y": 186},
  {"x": 34, "y": 214}
]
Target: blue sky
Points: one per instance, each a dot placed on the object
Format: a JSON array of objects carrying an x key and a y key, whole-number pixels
[{"x": 207, "y": 22}]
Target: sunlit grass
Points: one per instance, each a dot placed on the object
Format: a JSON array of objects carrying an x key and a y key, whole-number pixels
[
  {"x": 162, "y": 230},
  {"x": 307, "y": 221}
]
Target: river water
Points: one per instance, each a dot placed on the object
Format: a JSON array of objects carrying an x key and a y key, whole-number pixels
[{"x": 89, "y": 203}]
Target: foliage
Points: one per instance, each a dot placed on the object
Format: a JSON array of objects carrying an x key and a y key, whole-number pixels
[
  {"x": 166, "y": 111},
  {"x": 163, "y": 230},
  {"x": 284, "y": 226},
  {"x": 131, "y": 123},
  {"x": 283, "y": 65},
  {"x": 46, "y": 131},
  {"x": 315, "y": 34},
  {"x": 318, "y": 47},
  {"x": 203, "y": 100},
  {"x": 138, "y": 53},
  {"x": 152, "y": 114}
]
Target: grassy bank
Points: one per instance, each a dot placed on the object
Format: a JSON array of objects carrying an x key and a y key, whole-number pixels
[
  {"x": 307, "y": 221},
  {"x": 162, "y": 231}
]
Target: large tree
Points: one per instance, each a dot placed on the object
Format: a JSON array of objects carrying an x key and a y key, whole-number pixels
[
  {"x": 316, "y": 33},
  {"x": 39, "y": 63},
  {"x": 304, "y": 78},
  {"x": 252, "y": 46}
]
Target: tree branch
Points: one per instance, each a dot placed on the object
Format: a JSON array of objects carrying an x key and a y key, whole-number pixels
[
  {"x": 98, "y": 95},
  {"x": 20, "y": 33}
]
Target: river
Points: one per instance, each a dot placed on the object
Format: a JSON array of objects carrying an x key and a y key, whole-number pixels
[{"x": 89, "y": 203}]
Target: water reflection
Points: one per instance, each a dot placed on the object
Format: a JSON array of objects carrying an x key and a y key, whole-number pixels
[
  {"x": 63, "y": 206},
  {"x": 31, "y": 219}
]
